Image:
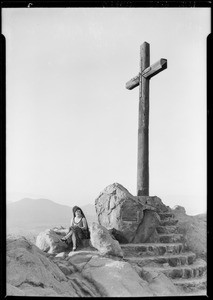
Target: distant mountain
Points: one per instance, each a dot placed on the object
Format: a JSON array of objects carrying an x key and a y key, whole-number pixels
[{"x": 30, "y": 213}]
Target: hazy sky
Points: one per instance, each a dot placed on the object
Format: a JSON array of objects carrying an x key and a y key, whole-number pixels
[{"x": 71, "y": 127}]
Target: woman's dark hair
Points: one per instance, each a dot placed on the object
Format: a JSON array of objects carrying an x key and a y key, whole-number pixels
[{"x": 77, "y": 208}]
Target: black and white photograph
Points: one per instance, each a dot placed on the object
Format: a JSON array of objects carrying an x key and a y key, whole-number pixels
[{"x": 106, "y": 151}]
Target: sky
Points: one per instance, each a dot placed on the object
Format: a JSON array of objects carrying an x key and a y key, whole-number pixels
[{"x": 71, "y": 125}]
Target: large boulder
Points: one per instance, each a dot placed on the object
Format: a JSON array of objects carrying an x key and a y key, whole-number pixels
[
  {"x": 117, "y": 208},
  {"x": 146, "y": 232},
  {"x": 14, "y": 291},
  {"x": 119, "y": 279},
  {"x": 194, "y": 229},
  {"x": 30, "y": 272},
  {"x": 103, "y": 242},
  {"x": 50, "y": 241},
  {"x": 115, "y": 278}
]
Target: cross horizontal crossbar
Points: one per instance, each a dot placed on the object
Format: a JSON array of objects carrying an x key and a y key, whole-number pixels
[{"x": 148, "y": 73}]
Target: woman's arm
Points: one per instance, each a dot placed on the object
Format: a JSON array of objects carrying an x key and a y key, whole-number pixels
[{"x": 84, "y": 223}]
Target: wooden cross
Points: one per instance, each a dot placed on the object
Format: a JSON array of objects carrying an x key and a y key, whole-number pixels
[{"x": 142, "y": 79}]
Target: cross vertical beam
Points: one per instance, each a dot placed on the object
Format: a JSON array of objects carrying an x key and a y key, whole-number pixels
[
  {"x": 142, "y": 79},
  {"x": 143, "y": 124}
]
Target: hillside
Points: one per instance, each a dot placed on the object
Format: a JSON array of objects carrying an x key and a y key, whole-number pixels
[
  {"x": 194, "y": 230},
  {"x": 39, "y": 213}
]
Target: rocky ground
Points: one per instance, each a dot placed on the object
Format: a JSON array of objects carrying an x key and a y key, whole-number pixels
[
  {"x": 167, "y": 256},
  {"x": 32, "y": 272},
  {"x": 88, "y": 273}
]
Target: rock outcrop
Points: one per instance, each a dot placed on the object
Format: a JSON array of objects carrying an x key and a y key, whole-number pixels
[
  {"x": 171, "y": 257},
  {"x": 117, "y": 208},
  {"x": 50, "y": 241},
  {"x": 146, "y": 231},
  {"x": 160, "y": 254},
  {"x": 101, "y": 239},
  {"x": 103, "y": 242},
  {"x": 116, "y": 278},
  {"x": 160, "y": 284},
  {"x": 193, "y": 229},
  {"x": 32, "y": 272}
]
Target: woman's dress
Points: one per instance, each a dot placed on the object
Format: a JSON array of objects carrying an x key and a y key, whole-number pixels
[{"x": 80, "y": 232}]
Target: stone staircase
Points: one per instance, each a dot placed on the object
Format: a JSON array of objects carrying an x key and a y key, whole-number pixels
[{"x": 170, "y": 256}]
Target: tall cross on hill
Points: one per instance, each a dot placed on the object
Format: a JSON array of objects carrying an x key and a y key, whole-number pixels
[{"x": 142, "y": 79}]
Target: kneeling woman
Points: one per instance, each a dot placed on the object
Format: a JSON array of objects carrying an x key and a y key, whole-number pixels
[{"x": 78, "y": 229}]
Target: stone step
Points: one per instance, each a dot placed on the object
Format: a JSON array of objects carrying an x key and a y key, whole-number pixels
[
  {"x": 166, "y": 215},
  {"x": 168, "y": 222},
  {"x": 189, "y": 285},
  {"x": 174, "y": 260},
  {"x": 150, "y": 249},
  {"x": 194, "y": 270},
  {"x": 167, "y": 229},
  {"x": 171, "y": 238}
]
